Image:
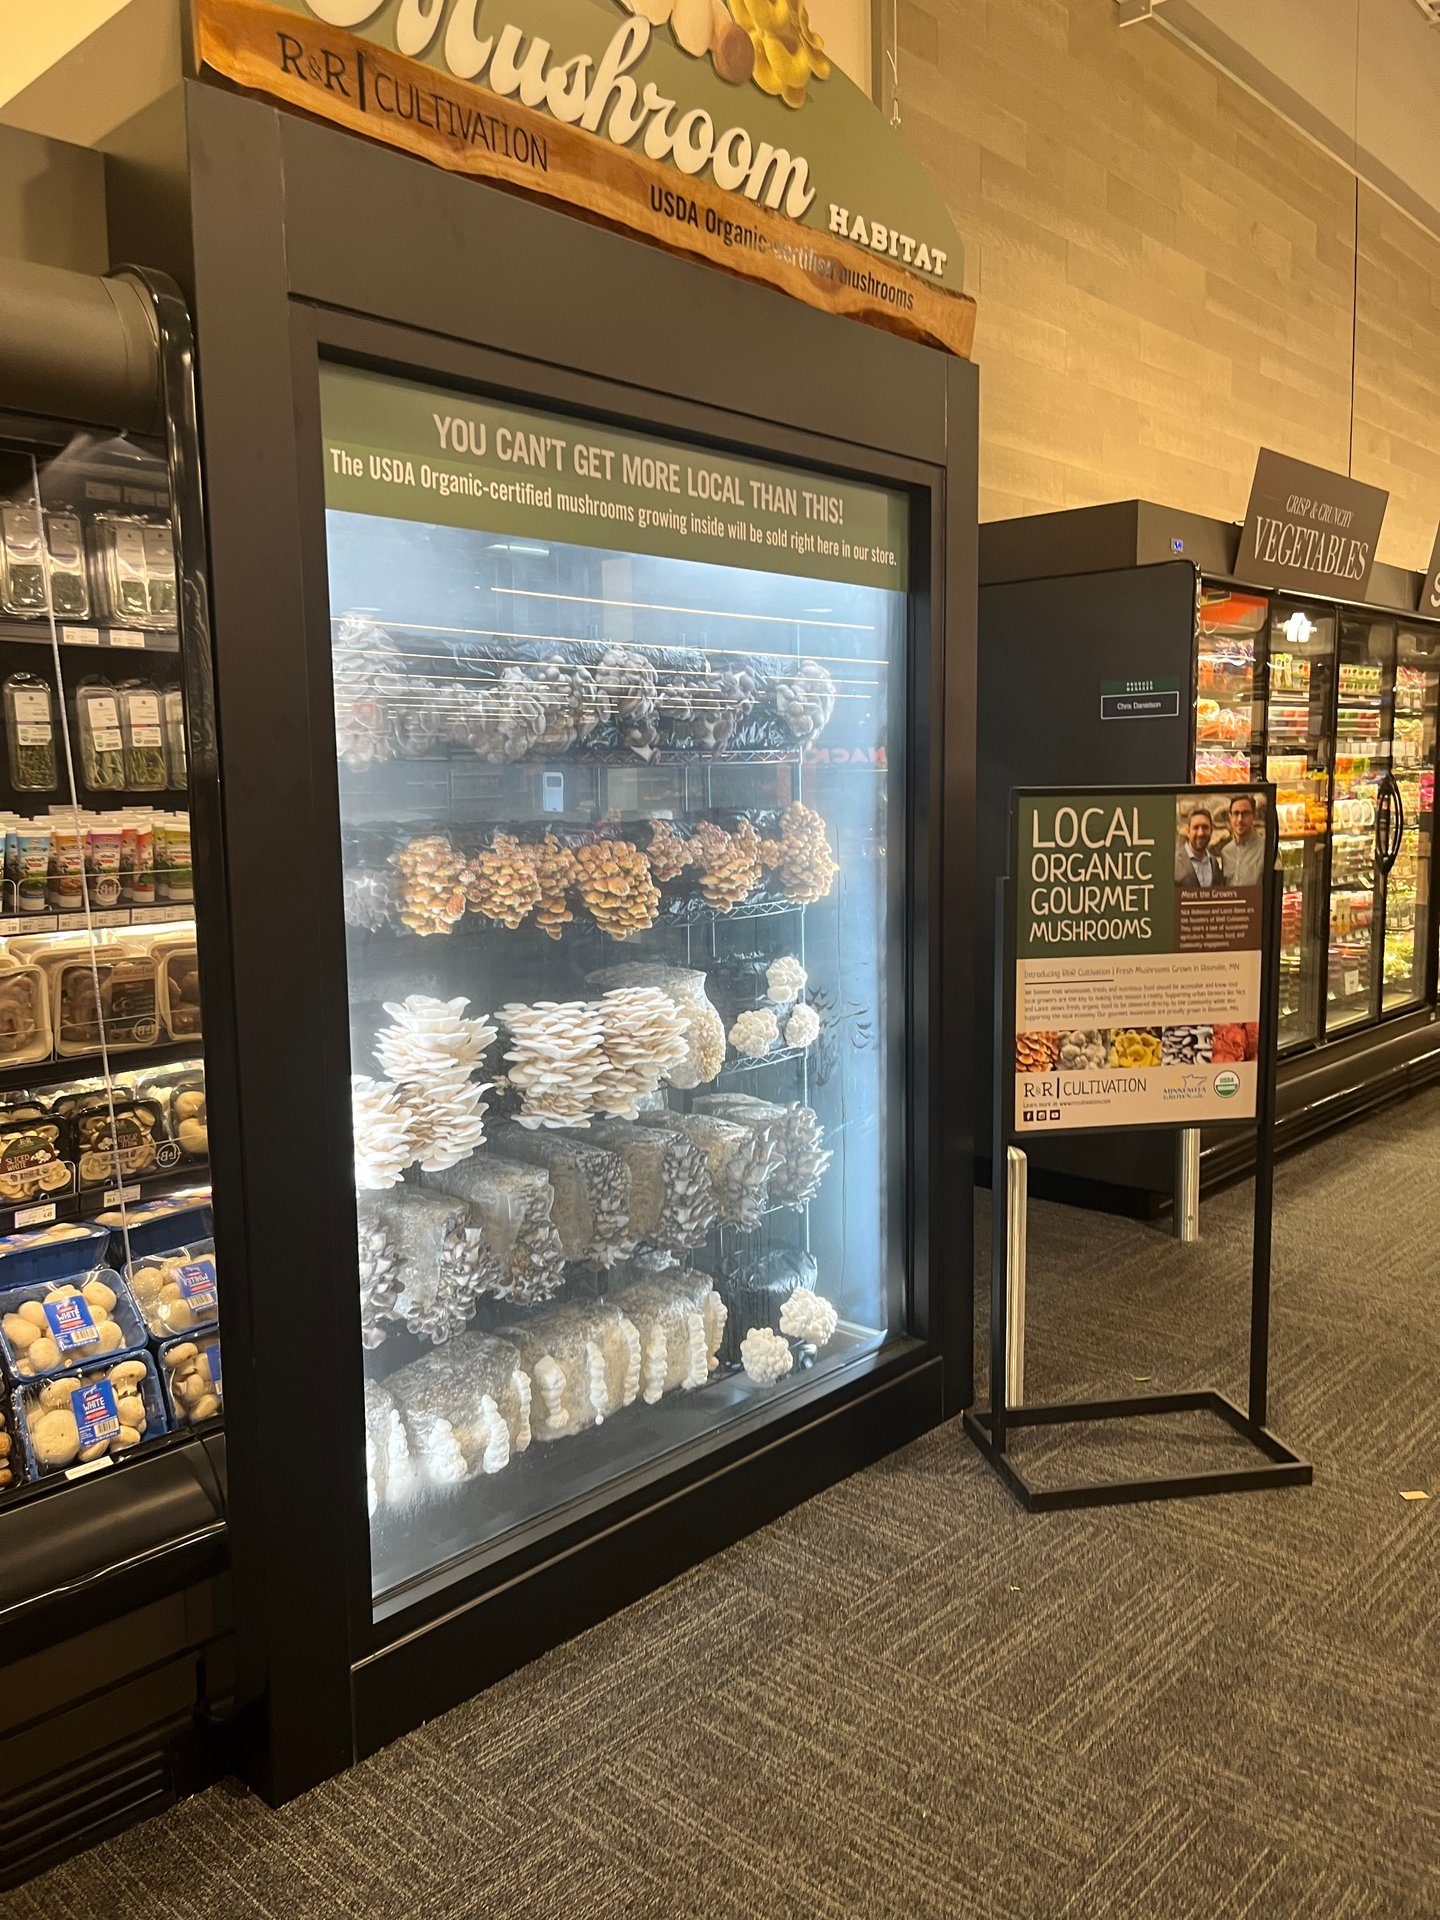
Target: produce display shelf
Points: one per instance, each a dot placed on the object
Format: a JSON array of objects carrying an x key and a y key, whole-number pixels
[
  {"x": 102, "y": 917},
  {"x": 54, "y": 1073},
  {"x": 778, "y": 1056},
  {"x": 86, "y": 633},
  {"x": 89, "y": 1201}
]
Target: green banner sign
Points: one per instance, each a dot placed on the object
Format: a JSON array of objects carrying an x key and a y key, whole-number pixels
[{"x": 407, "y": 451}]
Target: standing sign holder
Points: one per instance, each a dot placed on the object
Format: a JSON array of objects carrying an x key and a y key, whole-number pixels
[{"x": 990, "y": 1428}]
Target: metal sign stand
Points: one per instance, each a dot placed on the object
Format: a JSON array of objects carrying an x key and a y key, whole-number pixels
[{"x": 990, "y": 1428}]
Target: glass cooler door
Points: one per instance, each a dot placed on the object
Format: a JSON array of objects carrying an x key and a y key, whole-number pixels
[
  {"x": 1227, "y": 709},
  {"x": 620, "y": 725},
  {"x": 1408, "y": 930},
  {"x": 1362, "y": 766},
  {"x": 1300, "y": 689}
]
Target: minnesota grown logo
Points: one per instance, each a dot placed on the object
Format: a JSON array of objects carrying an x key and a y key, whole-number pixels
[{"x": 694, "y": 100}]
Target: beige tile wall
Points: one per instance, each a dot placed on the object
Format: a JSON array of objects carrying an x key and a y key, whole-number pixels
[{"x": 1166, "y": 272}]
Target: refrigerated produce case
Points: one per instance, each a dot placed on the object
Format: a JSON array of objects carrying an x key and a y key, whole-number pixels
[
  {"x": 605, "y": 705},
  {"x": 1335, "y": 703},
  {"x": 112, "y": 1507}
]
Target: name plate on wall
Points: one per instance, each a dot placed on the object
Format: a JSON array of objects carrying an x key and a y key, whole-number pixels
[{"x": 1308, "y": 529}]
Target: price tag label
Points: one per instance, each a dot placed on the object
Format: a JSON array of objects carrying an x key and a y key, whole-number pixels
[
  {"x": 117, "y": 1195},
  {"x": 126, "y": 637},
  {"x": 88, "y": 1466},
  {"x": 11, "y": 923},
  {"x": 35, "y": 1216},
  {"x": 1352, "y": 981},
  {"x": 112, "y": 917},
  {"x": 69, "y": 922},
  {"x": 80, "y": 636},
  {"x": 170, "y": 913}
]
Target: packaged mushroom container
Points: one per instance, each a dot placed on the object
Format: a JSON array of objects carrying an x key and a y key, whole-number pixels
[
  {"x": 58, "y": 1326},
  {"x": 178, "y": 970},
  {"x": 180, "y": 1094},
  {"x": 10, "y": 1462},
  {"x": 116, "y": 1139},
  {"x": 176, "y": 1292},
  {"x": 25, "y": 1035},
  {"x": 194, "y": 1380},
  {"x": 124, "y": 1005},
  {"x": 72, "y": 1420},
  {"x": 36, "y": 1160}
]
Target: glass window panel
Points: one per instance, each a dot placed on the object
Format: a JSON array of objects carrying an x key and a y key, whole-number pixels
[{"x": 620, "y": 729}]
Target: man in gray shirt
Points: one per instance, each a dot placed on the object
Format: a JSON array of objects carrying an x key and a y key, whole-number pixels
[
  {"x": 1245, "y": 856},
  {"x": 1195, "y": 865}
]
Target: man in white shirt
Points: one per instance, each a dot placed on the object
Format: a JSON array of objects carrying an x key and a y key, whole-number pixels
[
  {"x": 1245, "y": 856},
  {"x": 1195, "y": 865}
]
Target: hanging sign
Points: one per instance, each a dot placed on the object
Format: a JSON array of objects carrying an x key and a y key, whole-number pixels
[
  {"x": 716, "y": 128},
  {"x": 1139, "y": 935},
  {"x": 1308, "y": 529},
  {"x": 1430, "y": 584}
]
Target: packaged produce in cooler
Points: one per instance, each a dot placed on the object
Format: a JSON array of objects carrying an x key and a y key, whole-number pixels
[
  {"x": 122, "y": 570},
  {"x": 178, "y": 970},
  {"x": 116, "y": 1139},
  {"x": 71, "y": 1420},
  {"x": 24, "y": 1015},
  {"x": 590, "y": 1187},
  {"x": 27, "y": 864},
  {"x": 177, "y": 766},
  {"x": 57, "y": 1326},
  {"x": 36, "y": 1161},
  {"x": 22, "y": 560},
  {"x": 680, "y": 1320},
  {"x": 114, "y": 986},
  {"x": 161, "y": 598},
  {"x": 143, "y": 736},
  {"x": 194, "y": 1379},
  {"x": 180, "y": 1093},
  {"x": 99, "y": 737},
  {"x": 69, "y": 586},
  {"x": 30, "y": 734},
  {"x": 511, "y": 1206},
  {"x": 52, "y": 1252},
  {"x": 584, "y": 1363},
  {"x": 176, "y": 1292},
  {"x": 9, "y": 1454}
]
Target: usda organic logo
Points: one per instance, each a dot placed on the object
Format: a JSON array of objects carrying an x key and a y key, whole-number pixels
[{"x": 1227, "y": 1085}]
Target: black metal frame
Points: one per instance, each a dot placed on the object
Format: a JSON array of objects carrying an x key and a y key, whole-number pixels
[
  {"x": 281, "y": 281},
  {"x": 990, "y": 1427}
]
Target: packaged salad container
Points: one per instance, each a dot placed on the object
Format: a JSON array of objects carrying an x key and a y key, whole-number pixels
[
  {"x": 30, "y": 734},
  {"x": 144, "y": 738},
  {"x": 122, "y": 571},
  {"x": 99, "y": 737},
  {"x": 59, "y": 1326},
  {"x": 177, "y": 1292},
  {"x": 73, "y": 1419},
  {"x": 22, "y": 563}
]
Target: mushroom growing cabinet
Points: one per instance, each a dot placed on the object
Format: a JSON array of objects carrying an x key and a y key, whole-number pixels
[
  {"x": 603, "y": 690},
  {"x": 619, "y": 725}
]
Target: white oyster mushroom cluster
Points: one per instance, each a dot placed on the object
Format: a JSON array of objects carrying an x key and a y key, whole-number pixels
[
  {"x": 765, "y": 1356},
  {"x": 32, "y": 1338},
  {"x": 556, "y": 1060},
  {"x": 755, "y": 1032},
  {"x": 644, "y": 1040},
  {"x": 574, "y": 1058},
  {"x": 808, "y": 1317},
  {"x": 429, "y": 1110},
  {"x": 785, "y": 980},
  {"x": 802, "y": 1029}
]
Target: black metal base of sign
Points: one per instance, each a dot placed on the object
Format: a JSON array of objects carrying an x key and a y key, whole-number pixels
[{"x": 1282, "y": 1468}]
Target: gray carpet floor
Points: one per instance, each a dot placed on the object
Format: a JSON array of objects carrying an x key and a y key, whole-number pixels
[{"x": 908, "y": 1699}]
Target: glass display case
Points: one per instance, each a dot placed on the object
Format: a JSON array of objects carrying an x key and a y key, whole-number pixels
[
  {"x": 620, "y": 731},
  {"x": 1408, "y": 929},
  {"x": 106, "y": 1266},
  {"x": 1298, "y": 753}
]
